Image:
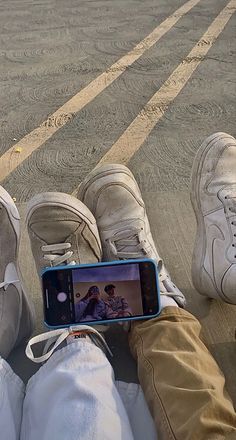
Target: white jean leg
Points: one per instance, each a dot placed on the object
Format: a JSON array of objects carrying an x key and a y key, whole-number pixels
[
  {"x": 12, "y": 392},
  {"x": 141, "y": 421},
  {"x": 73, "y": 396}
]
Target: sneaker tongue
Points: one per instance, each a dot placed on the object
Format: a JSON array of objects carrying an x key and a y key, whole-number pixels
[
  {"x": 128, "y": 242},
  {"x": 59, "y": 234},
  {"x": 123, "y": 246},
  {"x": 228, "y": 196},
  {"x": 53, "y": 228},
  {"x": 233, "y": 206}
]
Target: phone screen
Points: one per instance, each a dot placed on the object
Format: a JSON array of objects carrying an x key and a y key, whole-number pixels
[{"x": 89, "y": 294}]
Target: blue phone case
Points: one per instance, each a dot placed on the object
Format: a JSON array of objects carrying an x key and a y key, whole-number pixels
[{"x": 110, "y": 263}]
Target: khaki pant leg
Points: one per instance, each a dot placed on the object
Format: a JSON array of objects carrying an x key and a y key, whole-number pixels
[{"x": 182, "y": 383}]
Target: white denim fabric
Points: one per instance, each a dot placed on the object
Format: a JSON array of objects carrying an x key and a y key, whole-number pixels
[
  {"x": 12, "y": 393},
  {"x": 72, "y": 396},
  {"x": 140, "y": 419}
]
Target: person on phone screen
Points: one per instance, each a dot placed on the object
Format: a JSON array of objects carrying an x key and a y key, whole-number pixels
[
  {"x": 118, "y": 306},
  {"x": 91, "y": 307}
]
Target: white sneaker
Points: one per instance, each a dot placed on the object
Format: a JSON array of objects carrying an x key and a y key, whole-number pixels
[
  {"x": 62, "y": 230},
  {"x": 17, "y": 318},
  {"x": 213, "y": 197},
  {"x": 112, "y": 194}
]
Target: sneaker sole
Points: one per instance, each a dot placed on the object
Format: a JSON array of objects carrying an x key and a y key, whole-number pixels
[
  {"x": 14, "y": 216},
  {"x": 200, "y": 241},
  {"x": 67, "y": 202},
  {"x": 99, "y": 173}
]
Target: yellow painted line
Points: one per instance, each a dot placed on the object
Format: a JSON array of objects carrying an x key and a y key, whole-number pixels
[
  {"x": 28, "y": 144},
  {"x": 137, "y": 132}
]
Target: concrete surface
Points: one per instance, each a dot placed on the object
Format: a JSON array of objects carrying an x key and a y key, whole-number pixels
[{"x": 51, "y": 49}]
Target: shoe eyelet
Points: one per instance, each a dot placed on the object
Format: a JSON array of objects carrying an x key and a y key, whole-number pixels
[{"x": 226, "y": 197}]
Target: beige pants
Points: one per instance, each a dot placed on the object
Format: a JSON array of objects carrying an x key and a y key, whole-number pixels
[{"x": 182, "y": 383}]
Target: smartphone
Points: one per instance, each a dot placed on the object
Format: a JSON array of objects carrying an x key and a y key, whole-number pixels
[{"x": 100, "y": 293}]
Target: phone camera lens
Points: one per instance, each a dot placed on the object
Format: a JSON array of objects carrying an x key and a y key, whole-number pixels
[{"x": 62, "y": 297}]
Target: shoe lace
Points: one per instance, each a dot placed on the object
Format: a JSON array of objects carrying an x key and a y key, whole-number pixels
[
  {"x": 6, "y": 283},
  {"x": 11, "y": 277},
  {"x": 55, "y": 338},
  {"x": 130, "y": 244},
  {"x": 167, "y": 287},
  {"x": 56, "y": 254}
]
